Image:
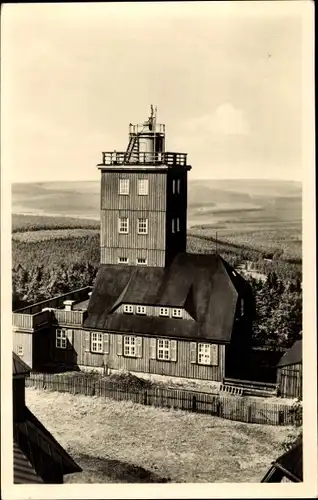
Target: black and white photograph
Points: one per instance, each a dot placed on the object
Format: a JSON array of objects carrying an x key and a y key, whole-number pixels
[{"x": 158, "y": 321}]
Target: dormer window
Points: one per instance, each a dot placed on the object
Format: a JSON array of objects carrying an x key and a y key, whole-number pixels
[
  {"x": 140, "y": 309},
  {"x": 122, "y": 260},
  {"x": 164, "y": 311},
  {"x": 128, "y": 309},
  {"x": 141, "y": 261},
  {"x": 177, "y": 313}
]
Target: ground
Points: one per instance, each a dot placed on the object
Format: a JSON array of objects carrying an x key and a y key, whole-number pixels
[{"x": 122, "y": 442}]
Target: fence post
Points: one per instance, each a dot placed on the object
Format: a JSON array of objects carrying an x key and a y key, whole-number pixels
[
  {"x": 280, "y": 417},
  {"x": 194, "y": 403}
]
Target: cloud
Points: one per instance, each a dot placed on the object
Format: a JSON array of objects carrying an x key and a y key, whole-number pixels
[{"x": 226, "y": 120}]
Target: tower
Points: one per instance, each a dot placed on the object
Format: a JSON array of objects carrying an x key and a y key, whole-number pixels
[{"x": 143, "y": 199}]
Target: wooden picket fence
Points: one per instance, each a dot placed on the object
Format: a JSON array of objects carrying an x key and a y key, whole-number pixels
[{"x": 237, "y": 408}]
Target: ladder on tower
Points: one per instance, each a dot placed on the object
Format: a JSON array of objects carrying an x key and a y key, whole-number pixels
[{"x": 132, "y": 148}]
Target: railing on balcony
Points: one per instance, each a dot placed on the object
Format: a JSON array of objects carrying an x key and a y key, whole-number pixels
[
  {"x": 158, "y": 128},
  {"x": 55, "y": 302},
  {"x": 64, "y": 317},
  {"x": 31, "y": 322},
  {"x": 169, "y": 159}
]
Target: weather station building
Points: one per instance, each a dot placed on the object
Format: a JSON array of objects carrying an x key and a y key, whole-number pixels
[{"x": 154, "y": 308}]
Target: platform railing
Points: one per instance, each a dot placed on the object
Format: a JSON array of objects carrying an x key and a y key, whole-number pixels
[{"x": 144, "y": 158}]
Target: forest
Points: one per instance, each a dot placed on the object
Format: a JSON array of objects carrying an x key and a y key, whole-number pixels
[{"x": 47, "y": 267}]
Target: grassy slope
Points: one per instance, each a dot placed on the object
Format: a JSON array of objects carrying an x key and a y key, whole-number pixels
[{"x": 124, "y": 442}]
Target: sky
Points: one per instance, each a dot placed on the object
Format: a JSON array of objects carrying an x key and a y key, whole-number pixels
[{"x": 228, "y": 80}]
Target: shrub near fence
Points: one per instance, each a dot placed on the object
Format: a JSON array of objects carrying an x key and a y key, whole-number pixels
[{"x": 230, "y": 407}]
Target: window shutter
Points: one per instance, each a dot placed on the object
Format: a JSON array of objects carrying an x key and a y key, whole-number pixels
[
  {"x": 173, "y": 350},
  {"x": 153, "y": 346},
  {"x": 193, "y": 352},
  {"x": 120, "y": 345},
  {"x": 214, "y": 351},
  {"x": 87, "y": 341},
  {"x": 106, "y": 343},
  {"x": 139, "y": 347},
  {"x": 69, "y": 336}
]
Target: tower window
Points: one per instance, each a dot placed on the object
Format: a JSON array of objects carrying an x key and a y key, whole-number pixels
[
  {"x": 173, "y": 186},
  {"x": 173, "y": 226},
  {"x": 122, "y": 260},
  {"x": 142, "y": 227},
  {"x": 178, "y": 186},
  {"x": 143, "y": 187},
  {"x": 178, "y": 224},
  {"x": 141, "y": 261},
  {"x": 123, "y": 225},
  {"x": 123, "y": 186}
]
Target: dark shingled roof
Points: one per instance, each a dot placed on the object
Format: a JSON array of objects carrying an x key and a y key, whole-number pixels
[
  {"x": 40, "y": 448},
  {"x": 19, "y": 367},
  {"x": 205, "y": 285},
  {"x": 293, "y": 356},
  {"x": 291, "y": 462},
  {"x": 23, "y": 472}
]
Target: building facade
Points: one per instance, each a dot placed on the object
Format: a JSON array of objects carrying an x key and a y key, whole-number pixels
[{"x": 154, "y": 308}]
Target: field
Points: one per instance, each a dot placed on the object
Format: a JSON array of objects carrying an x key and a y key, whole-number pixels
[{"x": 127, "y": 443}]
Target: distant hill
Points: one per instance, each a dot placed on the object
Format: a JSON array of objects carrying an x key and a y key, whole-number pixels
[{"x": 209, "y": 201}]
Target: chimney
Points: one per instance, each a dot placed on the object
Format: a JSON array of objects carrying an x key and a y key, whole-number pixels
[{"x": 68, "y": 305}]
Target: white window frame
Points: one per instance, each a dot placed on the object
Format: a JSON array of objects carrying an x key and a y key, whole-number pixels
[
  {"x": 144, "y": 263},
  {"x": 176, "y": 313},
  {"x": 130, "y": 346},
  {"x": 204, "y": 354},
  {"x": 163, "y": 350},
  {"x": 123, "y": 225},
  {"x": 143, "y": 187},
  {"x": 20, "y": 350},
  {"x": 128, "y": 309},
  {"x": 142, "y": 225},
  {"x": 97, "y": 342},
  {"x": 141, "y": 310},
  {"x": 124, "y": 186},
  {"x": 60, "y": 338},
  {"x": 164, "y": 312},
  {"x": 123, "y": 260}
]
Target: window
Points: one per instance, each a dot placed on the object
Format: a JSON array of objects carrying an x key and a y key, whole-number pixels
[
  {"x": 242, "y": 307},
  {"x": 122, "y": 260},
  {"x": 123, "y": 225},
  {"x": 130, "y": 346},
  {"x": 20, "y": 350},
  {"x": 141, "y": 310},
  {"x": 178, "y": 224},
  {"x": 142, "y": 227},
  {"x": 204, "y": 354},
  {"x": 128, "y": 308},
  {"x": 163, "y": 349},
  {"x": 141, "y": 261},
  {"x": 61, "y": 339},
  {"x": 172, "y": 224},
  {"x": 97, "y": 342},
  {"x": 173, "y": 186},
  {"x": 123, "y": 186},
  {"x": 178, "y": 186},
  {"x": 143, "y": 187},
  {"x": 163, "y": 311},
  {"x": 177, "y": 313}
]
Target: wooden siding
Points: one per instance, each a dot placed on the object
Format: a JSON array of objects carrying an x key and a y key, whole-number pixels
[
  {"x": 64, "y": 317},
  {"x": 154, "y": 311},
  {"x": 25, "y": 340},
  {"x": 154, "y": 201},
  {"x": 181, "y": 368},
  {"x": 155, "y": 258},
  {"x": 22, "y": 321},
  {"x": 155, "y": 239},
  {"x": 289, "y": 380}
]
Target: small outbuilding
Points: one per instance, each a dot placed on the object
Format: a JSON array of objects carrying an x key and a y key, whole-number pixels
[
  {"x": 288, "y": 467},
  {"x": 289, "y": 372}
]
